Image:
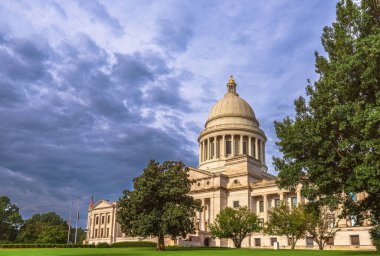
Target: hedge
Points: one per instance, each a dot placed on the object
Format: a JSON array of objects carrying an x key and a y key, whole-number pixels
[
  {"x": 135, "y": 244},
  {"x": 47, "y": 246},
  {"x": 102, "y": 245}
]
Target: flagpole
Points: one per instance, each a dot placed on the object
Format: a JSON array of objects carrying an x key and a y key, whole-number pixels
[
  {"x": 76, "y": 224},
  {"x": 69, "y": 231}
]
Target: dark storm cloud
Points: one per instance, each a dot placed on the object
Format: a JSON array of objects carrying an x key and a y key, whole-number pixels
[
  {"x": 71, "y": 122},
  {"x": 23, "y": 59},
  {"x": 167, "y": 94}
]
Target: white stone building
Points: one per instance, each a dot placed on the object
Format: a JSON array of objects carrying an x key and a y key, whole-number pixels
[{"x": 232, "y": 172}]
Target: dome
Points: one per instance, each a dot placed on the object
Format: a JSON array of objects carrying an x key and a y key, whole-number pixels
[{"x": 231, "y": 105}]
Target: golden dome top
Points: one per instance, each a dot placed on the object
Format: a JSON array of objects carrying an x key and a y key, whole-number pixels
[{"x": 231, "y": 81}]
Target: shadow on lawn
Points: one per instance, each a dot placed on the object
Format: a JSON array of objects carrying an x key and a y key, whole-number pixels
[{"x": 198, "y": 248}]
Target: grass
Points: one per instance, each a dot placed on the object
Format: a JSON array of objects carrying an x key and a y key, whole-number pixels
[{"x": 175, "y": 252}]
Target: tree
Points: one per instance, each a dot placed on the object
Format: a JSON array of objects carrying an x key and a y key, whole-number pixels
[
  {"x": 44, "y": 228},
  {"x": 322, "y": 225},
  {"x": 288, "y": 222},
  {"x": 236, "y": 224},
  {"x": 159, "y": 205},
  {"x": 332, "y": 147},
  {"x": 10, "y": 220}
]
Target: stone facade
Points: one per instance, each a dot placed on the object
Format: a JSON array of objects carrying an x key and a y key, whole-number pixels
[{"x": 232, "y": 172}]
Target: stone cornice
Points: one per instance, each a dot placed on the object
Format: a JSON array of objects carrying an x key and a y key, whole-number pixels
[{"x": 230, "y": 127}]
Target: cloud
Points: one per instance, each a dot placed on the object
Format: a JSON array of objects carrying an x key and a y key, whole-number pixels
[
  {"x": 88, "y": 94},
  {"x": 98, "y": 13}
]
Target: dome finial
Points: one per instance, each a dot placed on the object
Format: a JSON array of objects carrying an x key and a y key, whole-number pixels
[{"x": 231, "y": 85}]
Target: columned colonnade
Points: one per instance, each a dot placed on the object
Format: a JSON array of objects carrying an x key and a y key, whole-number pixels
[{"x": 223, "y": 146}]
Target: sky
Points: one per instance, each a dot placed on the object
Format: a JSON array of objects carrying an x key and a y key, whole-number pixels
[{"x": 90, "y": 91}]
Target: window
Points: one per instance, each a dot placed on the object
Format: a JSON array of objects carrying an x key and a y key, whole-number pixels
[
  {"x": 261, "y": 206},
  {"x": 259, "y": 149},
  {"x": 108, "y": 232},
  {"x": 101, "y": 232},
  {"x": 96, "y": 233},
  {"x": 253, "y": 147},
  {"x": 257, "y": 241},
  {"x": 309, "y": 242},
  {"x": 236, "y": 204},
  {"x": 355, "y": 240},
  {"x": 273, "y": 240},
  {"x": 294, "y": 202},
  {"x": 244, "y": 147},
  {"x": 261, "y": 222},
  {"x": 97, "y": 220},
  {"x": 277, "y": 203},
  {"x": 330, "y": 241},
  {"x": 228, "y": 147},
  {"x": 102, "y": 219},
  {"x": 108, "y": 218}
]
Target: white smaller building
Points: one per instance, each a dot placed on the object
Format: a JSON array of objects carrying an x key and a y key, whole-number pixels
[{"x": 102, "y": 226}]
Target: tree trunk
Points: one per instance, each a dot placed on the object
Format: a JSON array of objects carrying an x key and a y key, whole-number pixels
[
  {"x": 161, "y": 243},
  {"x": 320, "y": 245},
  {"x": 292, "y": 243},
  {"x": 237, "y": 243}
]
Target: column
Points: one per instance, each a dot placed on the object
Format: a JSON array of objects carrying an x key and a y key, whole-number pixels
[
  {"x": 232, "y": 145},
  {"x": 241, "y": 144},
  {"x": 262, "y": 151},
  {"x": 298, "y": 196},
  {"x": 209, "y": 149},
  {"x": 223, "y": 146},
  {"x": 200, "y": 153},
  {"x": 249, "y": 145},
  {"x": 257, "y": 207},
  {"x": 265, "y": 201},
  {"x": 215, "y": 147},
  {"x": 203, "y": 151},
  {"x": 257, "y": 148}
]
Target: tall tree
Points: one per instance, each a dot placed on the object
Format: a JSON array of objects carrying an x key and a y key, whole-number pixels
[
  {"x": 332, "y": 146},
  {"x": 44, "y": 228},
  {"x": 236, "y": 224},
  {"x": 10, "y": 220},
  {"x": 289, "y": 222},
  {"x": 322, "y": 225},
  {"x": 159, "y": 205}
]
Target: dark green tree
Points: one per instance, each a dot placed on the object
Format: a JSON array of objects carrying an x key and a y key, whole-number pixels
[
  {"x": 289, "y": 222},
  {"x": 44, "y": 228},
  {"x": 10, "y": 220},
  {"x": 332, "y": 146},
  {"x": 235, "y": 224},
  {"x": 159, "y": 205}
]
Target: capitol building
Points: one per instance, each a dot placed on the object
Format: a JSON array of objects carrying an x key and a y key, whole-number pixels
[{"x": 232, "y": 172}]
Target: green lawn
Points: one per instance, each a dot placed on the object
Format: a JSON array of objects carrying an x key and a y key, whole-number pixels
[{"x": 174, "y": 252}]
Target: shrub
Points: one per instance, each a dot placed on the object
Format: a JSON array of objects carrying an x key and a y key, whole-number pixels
[
  {"x": 47, "y": 246},
  {"x": 102, "y": 245},
  {"x": 135, "y": 244}
]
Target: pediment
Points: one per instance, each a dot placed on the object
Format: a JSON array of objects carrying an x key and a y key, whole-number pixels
[
  {"x": 102, "y": 204},
  {"x": 195, "y": 174}
]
